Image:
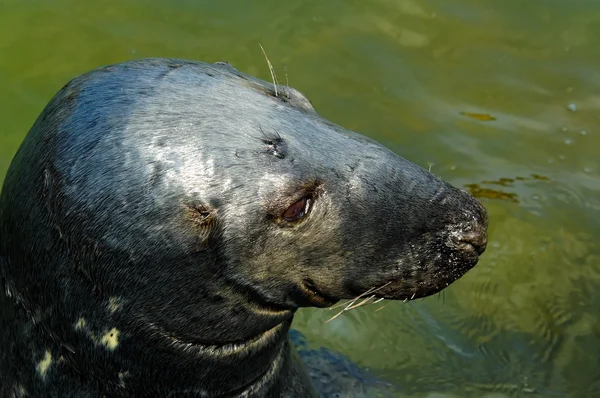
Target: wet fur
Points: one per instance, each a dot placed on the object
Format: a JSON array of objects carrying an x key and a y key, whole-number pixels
[{"x": 142, "y": 248}]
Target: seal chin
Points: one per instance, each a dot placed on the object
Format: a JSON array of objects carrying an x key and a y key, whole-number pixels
[
  {"x": 430, "y": 279},
  {"x": 415, "y": 279},
  {"x": 406, "y": 291}
]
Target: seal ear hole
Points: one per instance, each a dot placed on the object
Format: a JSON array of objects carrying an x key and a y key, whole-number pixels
[
  {"x": 200, "y": 214},
  {"x": 274, "y": 146},
  {"x": 204, "y": 225}
]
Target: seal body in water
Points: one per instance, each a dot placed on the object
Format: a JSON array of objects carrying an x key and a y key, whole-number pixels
[{"x": 164, "y": 219}]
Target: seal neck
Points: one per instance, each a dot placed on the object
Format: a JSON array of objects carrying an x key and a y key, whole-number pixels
[
  {"x": 151, "y": 363},
  {"x": 262, "y": 366}
]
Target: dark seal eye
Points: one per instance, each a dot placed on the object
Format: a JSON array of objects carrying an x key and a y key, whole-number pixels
[{"x": 298, "y": 210}]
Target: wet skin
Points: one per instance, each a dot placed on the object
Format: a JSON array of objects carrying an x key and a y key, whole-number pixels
[{"x": 164, "y": 219}]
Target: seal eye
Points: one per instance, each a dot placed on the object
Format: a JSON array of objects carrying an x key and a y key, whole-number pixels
[{"x": 298, "y": 210}]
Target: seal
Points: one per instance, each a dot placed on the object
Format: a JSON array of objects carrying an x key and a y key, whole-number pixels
[{"x": 164, "y": 219}]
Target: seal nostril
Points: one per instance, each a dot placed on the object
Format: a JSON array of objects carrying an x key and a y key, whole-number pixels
[{"x": 477, "y": 239}]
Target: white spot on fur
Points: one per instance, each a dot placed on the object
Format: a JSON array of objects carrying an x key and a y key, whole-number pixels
[
  {"x": 110, "y": 339},
  {"x": 122, "y": 376},
  {"x": 44, "y": 364},
  {"x": 80, "y": 324},
  {"x": 19, "y": 391},
  {"x": 114, "y": 304}
]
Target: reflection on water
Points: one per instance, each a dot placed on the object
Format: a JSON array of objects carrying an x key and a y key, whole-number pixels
[
  {"x": 480, "y": 191},
  {"x": 488, "y": 94}
]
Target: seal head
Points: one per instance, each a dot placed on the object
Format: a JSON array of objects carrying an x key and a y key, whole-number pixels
[{"x": 163, "y": 220}]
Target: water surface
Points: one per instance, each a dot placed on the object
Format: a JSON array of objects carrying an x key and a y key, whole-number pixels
[{"x": 501, "y": 98}]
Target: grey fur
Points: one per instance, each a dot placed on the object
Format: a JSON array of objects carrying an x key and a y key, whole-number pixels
[{"x": 143, "y": 249}]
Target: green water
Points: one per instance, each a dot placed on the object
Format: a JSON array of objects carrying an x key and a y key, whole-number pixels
[{"x": 523, "y": 323}]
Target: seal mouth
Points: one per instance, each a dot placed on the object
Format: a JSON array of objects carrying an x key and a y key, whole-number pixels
[{"x": 314, "y": 296}]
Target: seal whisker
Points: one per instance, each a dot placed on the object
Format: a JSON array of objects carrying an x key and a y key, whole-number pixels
[
  {"x": 344, "y": 304},
  {"x": 335, "y": 316},
  {"x": 363, "y": 302},
  {"x": 270, "y": 69},
  {"x": 382, "y": 307},
  {"x": 350, "y": 305},
  {"x": 351, "y": 302},
  {"x": 372, "y": 290}
]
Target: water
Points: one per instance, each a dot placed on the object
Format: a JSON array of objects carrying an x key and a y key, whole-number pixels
[{"x": 501, "y": 98}]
